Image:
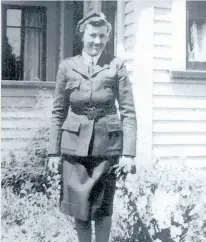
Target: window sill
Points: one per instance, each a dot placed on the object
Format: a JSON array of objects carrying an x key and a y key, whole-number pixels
[
  {"x": 32, "y": 84},
  {"x": 188, "y": 74}
]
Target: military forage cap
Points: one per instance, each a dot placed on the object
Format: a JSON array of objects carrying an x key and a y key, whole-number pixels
[{"x": 91, "y": 15}]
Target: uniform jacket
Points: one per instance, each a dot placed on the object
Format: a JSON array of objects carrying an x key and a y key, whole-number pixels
[{"x": 71, "y": 133}]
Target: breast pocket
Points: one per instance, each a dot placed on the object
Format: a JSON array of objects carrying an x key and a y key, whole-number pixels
[
  {"x": 70, "y": 135},
  {"x": 109, "y": 83}
]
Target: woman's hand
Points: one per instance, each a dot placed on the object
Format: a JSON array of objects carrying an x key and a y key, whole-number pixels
[
  {"x": 53, "y": 164},
  {"x": 126, "y": 165}
]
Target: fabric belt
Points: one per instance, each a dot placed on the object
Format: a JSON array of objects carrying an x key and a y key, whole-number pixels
[{"x": 94, "y": 112}]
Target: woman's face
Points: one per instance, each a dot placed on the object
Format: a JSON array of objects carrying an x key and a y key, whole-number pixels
[{"x": 95, "y": 39}]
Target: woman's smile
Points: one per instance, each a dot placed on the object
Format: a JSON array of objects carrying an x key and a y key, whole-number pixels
[{"x": 95, "y": 39}]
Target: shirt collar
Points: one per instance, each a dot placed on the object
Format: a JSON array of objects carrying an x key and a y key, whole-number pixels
[{"x": 87, "y": 58}]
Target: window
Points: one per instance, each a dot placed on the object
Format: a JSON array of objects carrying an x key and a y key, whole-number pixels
[
  {"x": 109, "y": 8},
  {"x": 188, "y": 39},
  {"x": 24, "y": 43},
  {"x": 196, "y": 35}
]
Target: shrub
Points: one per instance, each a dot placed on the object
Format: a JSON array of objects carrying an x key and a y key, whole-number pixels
[{"x": 163, "y": 202}]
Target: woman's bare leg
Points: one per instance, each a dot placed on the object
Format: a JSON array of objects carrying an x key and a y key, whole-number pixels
[
  {"x": 103, "y": 228},
  {"x": 84, "y": 230}
]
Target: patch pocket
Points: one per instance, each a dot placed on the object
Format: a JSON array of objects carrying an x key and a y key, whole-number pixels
[
  {"x": 70, "y": 135},
  {"x": 71, "y": 126},
  {"x": 114, "y": 127},
  {"x": 72, "y": 84},
  {"x": 109, "y": 83}
]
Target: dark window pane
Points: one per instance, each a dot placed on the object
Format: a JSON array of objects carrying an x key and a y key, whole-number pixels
[
  {"x": 197, "y": 40},
  {"x": 14, "y": 17},
  {"x": 196, "y": 35},
  {"x": 109, "y": 9},
  {"x": 11, "y": 63},
  {"x": 24, "y": 44}
]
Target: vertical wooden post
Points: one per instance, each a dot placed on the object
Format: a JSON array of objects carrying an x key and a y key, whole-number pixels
[
  {"x": 120, "y": 29},
  {"x": 143, "y": 79},
  {"x": 179, "y": 35},
  {"x": 62, "y": 16},
  {"x": 66, "y": 29}
]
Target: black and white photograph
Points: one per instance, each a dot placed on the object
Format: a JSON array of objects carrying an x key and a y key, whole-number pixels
[{"x": 103, "y": 121}]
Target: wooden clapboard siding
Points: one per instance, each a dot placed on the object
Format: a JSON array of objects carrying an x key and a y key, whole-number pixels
[
  {"x": 179, "y": 105},
  {"x": 24, "y": 110},
  {"x": 183, "y": 138},
  {"x": 129, "y": 34},
  {"x": 180, "y": 89},
  {"x": 182, "y": 150},
  {"x": 179, "y": 101},
  {"x": 179, "y": 114},
  {"x": 179, "y": 126},
  {"x": 129, "y": 41}
]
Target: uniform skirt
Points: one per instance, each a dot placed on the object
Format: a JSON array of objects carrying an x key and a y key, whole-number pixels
[{"x": 88, "y": 186}]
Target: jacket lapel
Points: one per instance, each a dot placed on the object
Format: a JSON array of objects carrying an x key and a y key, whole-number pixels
[
  {"x": 82, "y": 68},
  {"x": 102, "y": 64}
]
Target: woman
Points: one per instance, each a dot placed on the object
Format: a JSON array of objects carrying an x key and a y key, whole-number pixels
[{"x": 87, "y": 131}]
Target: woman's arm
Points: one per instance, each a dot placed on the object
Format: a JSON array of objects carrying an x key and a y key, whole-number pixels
[
  {"x": 58, "y": 112},
  {"x": 127, "y": 112}
]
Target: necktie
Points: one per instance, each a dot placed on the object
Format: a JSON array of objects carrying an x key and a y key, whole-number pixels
[{"x": 91, "y": 67}]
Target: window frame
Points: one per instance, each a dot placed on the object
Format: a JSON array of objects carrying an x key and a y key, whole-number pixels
[
  {"x": 192, "y": 65},
  {"x": 43, "y": 9},
  {"x": 179, "y": 44}
]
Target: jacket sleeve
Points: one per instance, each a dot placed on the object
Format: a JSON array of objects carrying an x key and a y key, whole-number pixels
[
  {"x": 127, "y": 112},
  {"x": 58, "y": 112}
]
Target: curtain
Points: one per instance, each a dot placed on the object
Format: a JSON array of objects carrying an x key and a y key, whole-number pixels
[
  {"x": 33, "y": 44},
  {"x": 197, "y": 46}
]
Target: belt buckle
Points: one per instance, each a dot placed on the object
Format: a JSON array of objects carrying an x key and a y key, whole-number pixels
[{"x": 91, "y": 113}]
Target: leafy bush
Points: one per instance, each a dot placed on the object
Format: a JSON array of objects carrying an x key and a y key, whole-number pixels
[
  {"x": 164, "y": 202},
  {"x": 34, "y": 218}
]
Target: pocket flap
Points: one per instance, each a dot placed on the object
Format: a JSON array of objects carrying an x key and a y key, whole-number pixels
[
  {"x": 71, "y": 126},
  {"x": 114, "y": 126},
  {"x": 72, "y": 84},
  {"x": 109, "y": 83}
]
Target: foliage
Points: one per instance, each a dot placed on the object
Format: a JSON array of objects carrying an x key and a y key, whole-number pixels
[
  {"x": 164, "y": 202},
  {"x": 34, "y": 218}
]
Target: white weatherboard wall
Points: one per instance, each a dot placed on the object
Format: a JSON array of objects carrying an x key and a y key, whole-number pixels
[
  {"x": 134, "y": 45},
  {"x": 129, "y": 34},
  {"x": 179, "y": 105},
  {"x": 23, "y": 112},
  {"x": 125, "y": 42}
]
